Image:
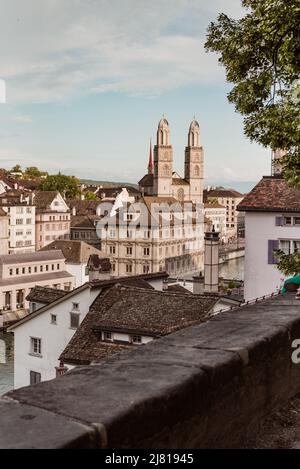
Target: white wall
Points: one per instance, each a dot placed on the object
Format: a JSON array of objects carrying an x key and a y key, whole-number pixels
[
  {"x": 262, "y": 278},
  {"x": 54, "y": 338},
  {"x": 78, "y": 270}
]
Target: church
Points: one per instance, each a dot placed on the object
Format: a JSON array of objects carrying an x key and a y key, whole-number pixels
[{"x": 161, "y": 180}]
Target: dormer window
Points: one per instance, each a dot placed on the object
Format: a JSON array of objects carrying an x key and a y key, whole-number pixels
[
  {"x": 136, "y": 339},
  {"x": 107, "y": 336},
  {"x": 75, "y": 306}
]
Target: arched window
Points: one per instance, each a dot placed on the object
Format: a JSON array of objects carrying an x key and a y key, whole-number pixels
[
  {"x": 196, "y": 171},
  {"x": 180, "y": 195},
  {"x": 161, "y": 137}
]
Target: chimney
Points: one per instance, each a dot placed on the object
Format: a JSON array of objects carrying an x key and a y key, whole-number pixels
[
  {"x": 211, "y": 262},
  {"x": 74, "y": 211},
  {"x": 61, "y": 369},
  {"x": 198, "y": 284}
]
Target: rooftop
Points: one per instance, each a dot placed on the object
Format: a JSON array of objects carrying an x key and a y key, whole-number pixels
[
  {"x": 37, "y": 256},
  {"x": 74, "y": 251},
  {"x": 229, "y": 193},
  {"x": 45, "y": 295},
  {"x": 34, "y": 278},
  {"x": 206, "y": 386},
  {"x": 134, "y": 310},
  {"x": 271, "y": 194}
]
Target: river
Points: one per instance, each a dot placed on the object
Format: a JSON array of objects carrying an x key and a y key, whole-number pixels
[
  {"x": 233, "y": 269},
  {"x": 6, "y": 362}
]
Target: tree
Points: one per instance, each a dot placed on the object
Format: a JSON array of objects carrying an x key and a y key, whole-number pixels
[
  {"x": 261, "y": 56},
  {"x": 90, "y": 196},
  {"x": 68, "y": 186},
  {"x": 33, "y": 172},
  {"x": 16, "y": 169},
  {"x": 288, "y": 264}
]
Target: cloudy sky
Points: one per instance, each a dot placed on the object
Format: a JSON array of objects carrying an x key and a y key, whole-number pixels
[{"x": 88, "y": 80}]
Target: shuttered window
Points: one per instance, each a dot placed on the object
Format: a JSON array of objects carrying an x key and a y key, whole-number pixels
[{"x": 273, "y": 244}]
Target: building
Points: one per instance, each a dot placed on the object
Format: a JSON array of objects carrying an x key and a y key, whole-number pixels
[
  {"x": 83, "y": 261},
  {"x": 4, "y": 232},
  {"x": 41, "y": 337},
  {"x": 126, "y": 317},
  {"x": 161, "y": 180},
  {"x": 216, "y": 213},
  {"x": 84, "y": 228},
  {"x": 272, "y": 222},
  {"x": 154, "y": 234},
  {"x": 52, "y": 218},
  {"x": 19, "y": 207},
  {"x": 42, "y": 296},
  {"x": 19, "y": 273},
  {"x": 228, "y": 198}
]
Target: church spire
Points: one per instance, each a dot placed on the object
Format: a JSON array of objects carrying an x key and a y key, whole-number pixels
[{"x": 150, "y": 164}]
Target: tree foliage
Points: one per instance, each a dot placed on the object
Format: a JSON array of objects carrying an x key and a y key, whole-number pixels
[
  {"x": 289, "y": 264},
  {"x": 261, "y": 56},
  {"x": 68, "y": 186},
  {"x": 91, "y": 196}
]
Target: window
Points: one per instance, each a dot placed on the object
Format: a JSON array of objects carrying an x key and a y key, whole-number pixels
[
  {"x": 146, "y": 269},
  {"x": 10, "y": 271},
  {"x": 29, "y": 270},
  {"x": 17, "y": 271},
  {"x": 112, "y": 249},
  {"x": 53, "y": 319},
  {"x": 75, "y": 306},
  {"x": 287, "y": 221},
  {"x": 58, "y": 265},
  {"x": 52, "y": 266},
  {"x": 35, "y": 268},
  {"x": 107, "y": 336},
  {"x": 35, "y": 346},
  {"x": 28, "y": 210},
  {"x": 74, "y": 320},
  {"x": 28, "y": 243},
  {"x": 41, "y": 268},
  {"x": 128, "y": 268},
  {"x": 129, "y": 251},
  {"x": 146, "y": 251},
  {"x": 136, "y": 339},
  {"x": 296, "y": 221},
  {"x": 28, "y": 221},
  {"x": 35, "y": 377},
  {"x": 128, "y": 216},
  {"x": 23, "y": 270},
  {"x": 289, "y": 246}
]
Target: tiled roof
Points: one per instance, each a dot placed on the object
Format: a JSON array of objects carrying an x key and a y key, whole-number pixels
[
  {"x": 179, "y": 182},
  {"x": 99, "y": 263},
  {"x": 35, "y": 278},
  {"x": 74, "y": 251},
  {"x": 83, "y": 207},
  {"x": 45, "y": 295},
  {"x": 87, "y": 221},
  {"x": 146, "y": 181},
  {"x": 31, "y": 257},
  {"x": 43, "y": 199},
  {"x": 230, "y": 193},
  {"x": 178, "y": 289},
  {"x": 134, "y": 310},
  {"x": 271, "y": 194}
]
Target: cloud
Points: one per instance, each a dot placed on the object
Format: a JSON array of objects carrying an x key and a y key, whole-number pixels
[
  {"x": 63, "y": 48},
  {"x": 23, "y": 119}
]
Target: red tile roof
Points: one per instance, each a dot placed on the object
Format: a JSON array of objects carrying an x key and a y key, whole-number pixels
[{"x": 271, "y": 194}]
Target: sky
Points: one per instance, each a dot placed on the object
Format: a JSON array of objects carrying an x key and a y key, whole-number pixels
[{"x": 87, "y": 82}]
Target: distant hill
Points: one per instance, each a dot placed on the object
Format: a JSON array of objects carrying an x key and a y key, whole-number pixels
[
  {"x": 91, "y": 182},
  {"x": 241, "y": 186}
]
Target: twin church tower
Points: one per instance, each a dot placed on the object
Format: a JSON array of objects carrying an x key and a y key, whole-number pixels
[{"x": 161, "y": 180}]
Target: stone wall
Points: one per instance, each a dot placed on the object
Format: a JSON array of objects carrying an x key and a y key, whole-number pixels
[{"x": 206, "y": 386}]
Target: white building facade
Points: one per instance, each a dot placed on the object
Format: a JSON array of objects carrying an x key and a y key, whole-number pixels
[{"x": 272, "y": 222}]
